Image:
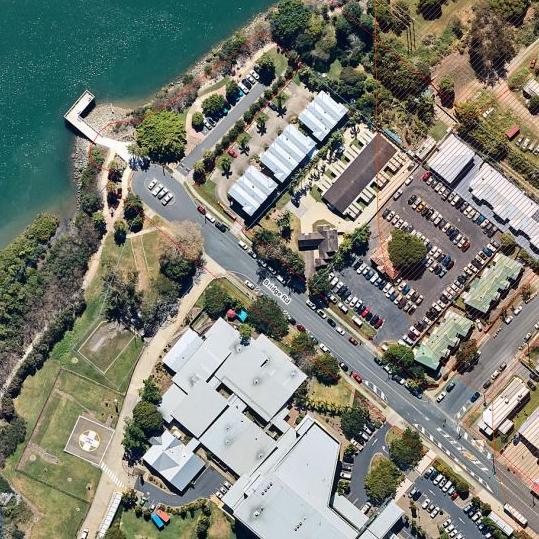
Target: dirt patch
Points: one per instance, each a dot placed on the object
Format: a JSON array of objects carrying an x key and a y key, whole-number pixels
[{"x": 32, "y": 451}]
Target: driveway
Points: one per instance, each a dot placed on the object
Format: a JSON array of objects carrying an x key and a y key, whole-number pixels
[
  {"x": 207, "y": 484},
  {"x": 222, "y": 127},
  {"x": 376, "y": 444}
]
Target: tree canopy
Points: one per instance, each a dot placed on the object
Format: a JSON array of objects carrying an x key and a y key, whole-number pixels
[
  {"x": 405, "y": 250},
  {"x": 267, "y": 317},
  {"x": 320, "y": 283},
  {"x": 197, "y": 121},
  {"x": 382, "y": 481},
  {"x": 177, "y": 267},
  {"x": 217, "y": 301},
  {"x": 326, "y": 369},
  {"x": 213, "y": 105},
  {"x": 232, "y": 91},
  {"x": 401, "y": 358},
  {"x": 148, "y": 418},
  {"x": 353, "y": 420},
  {"x": 407, "y": 449},
  {"x": 288, "y": 21},
  {"x": 150, "y": 391},
  {"x": 513, "y": 11},
  {"x": 266, "y": 68},
  {"x": 161, "y": 136},
  {"x": 466, "y": 355},
  {"x": 270, "y": 247}
]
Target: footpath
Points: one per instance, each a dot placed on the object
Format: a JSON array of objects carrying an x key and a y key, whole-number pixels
[{"x": 117, "y": 477}]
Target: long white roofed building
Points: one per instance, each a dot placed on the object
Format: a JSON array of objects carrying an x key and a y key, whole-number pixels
[
  {"x": 510, "y": 205},
  {"x": 252, "y": 190},
  {"x": 286, "y": 152},
  {"x": 322, "y": 115}
]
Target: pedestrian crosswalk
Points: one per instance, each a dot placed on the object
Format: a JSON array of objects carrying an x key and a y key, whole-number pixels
[
  {"x": 461, "y": 451},
  {"x": 114, "y": 478},
  {"x": 376, "y": 390}
]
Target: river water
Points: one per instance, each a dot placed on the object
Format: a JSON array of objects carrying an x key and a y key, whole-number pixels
[{"x": 121, "y": 50}]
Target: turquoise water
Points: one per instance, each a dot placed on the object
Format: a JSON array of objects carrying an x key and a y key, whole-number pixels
[{"x": 52, "y": 50}]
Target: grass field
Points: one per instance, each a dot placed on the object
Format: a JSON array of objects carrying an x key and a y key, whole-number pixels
[
  {"x": 138, "y": 528},
  {"x": 280, "y": 61},
  {"x": 340, "y": 394},
  {"x": 105, "y": 344},
  {"x": 438, "y": 130},
  {"x": 45, "y": 459}
]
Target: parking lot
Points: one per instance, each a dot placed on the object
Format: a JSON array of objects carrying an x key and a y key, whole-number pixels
[
  {"x": 426, "y": 282},
  {"x": 460, "y": 525}
]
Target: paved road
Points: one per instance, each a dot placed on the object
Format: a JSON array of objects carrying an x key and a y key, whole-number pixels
[
  {"x": 435, "y": 422},
  {"x": 495, "y": 351},
  {"x": 223, "y": 126},
  {"x": 207, "y": 484},
  {"x": 376, "y": 444}
]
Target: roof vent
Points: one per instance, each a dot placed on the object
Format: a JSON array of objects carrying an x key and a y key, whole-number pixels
[
  {"x": 256, "y": 514},
  {"x": 256, "y": 381},
  {"x": 228, "y": 442}
]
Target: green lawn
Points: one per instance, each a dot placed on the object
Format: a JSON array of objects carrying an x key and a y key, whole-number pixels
[
  {"x": 438, "y": 130},
  {"x": 216, "y": 86},
  {"x": 138, "y": 528},
  {"x": 527, "y": 410},
  {"x": 315, "y": 193},
  {"x": 338, "y": 394},
  {"x": 280, "y": 61},
  {"x": 207, "y": 192}
]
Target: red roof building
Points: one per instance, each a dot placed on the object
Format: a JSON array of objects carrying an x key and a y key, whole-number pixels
[
  {"x": 512, "y": 132},
  {"x": 162, "y": 515}
]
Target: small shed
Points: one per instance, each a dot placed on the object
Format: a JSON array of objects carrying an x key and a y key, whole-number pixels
[
  {"x": 512, "y": 132},
  {"x": 242, "y": 315},
  {"x": 159, "y": 524},
  {"x": 162, "y": 515}
]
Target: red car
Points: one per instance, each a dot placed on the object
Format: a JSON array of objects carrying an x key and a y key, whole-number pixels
[
  {"x": 353, "y": 341},
  {"x": 201, "y": 209},
  {"x": 426, "y": 176},
  {"x": 300, "y": 327},
  {"x": 365, "y": 312},
  {"x": 466, "y": 246},
  {"x": 379, "y": 323},
  {"x": 232, "y": 152},
  {"x": 455, "y": 495},
  {"x": 356, "y": 377}
]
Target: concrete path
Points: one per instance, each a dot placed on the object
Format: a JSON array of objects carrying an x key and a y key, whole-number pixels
[{"x": 118, "y": 472}]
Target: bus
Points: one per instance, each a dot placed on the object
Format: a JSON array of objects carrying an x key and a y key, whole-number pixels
[{"x": 515, "y": 515}]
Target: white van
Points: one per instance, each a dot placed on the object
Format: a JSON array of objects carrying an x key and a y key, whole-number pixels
[
  {"x": 438, "y": 478},
  {"x": 243, "y": 245},
  {"x": 357, "y": 321}
]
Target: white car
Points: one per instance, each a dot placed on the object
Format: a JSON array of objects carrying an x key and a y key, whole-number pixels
[
  {"x": 152, "y": 184},
  {"x": 346, "y": 475},
  {"x": 397, "y": 194},
  {"x": 157, "y": 189},
  {"x": 323, "y": 347},
  {"x": 249, "y": 284},
  {"x": 408, "y": 180},
  {"x": 340, "y": 330},
  {"x": 435, "y": 511},
  {"x": 167, "y": 199},
  {"x": 425, "y": 504},
  {"x": 210, "y": 218},
  {"x": 254, "y": 74},
  {"x": 517, "y": 310},
  {"x": 310, "y": 304},
  {"x": 243, "y": 88},
  {"x": 321, "y": 313},
  {"x": 243, "y": 245}
]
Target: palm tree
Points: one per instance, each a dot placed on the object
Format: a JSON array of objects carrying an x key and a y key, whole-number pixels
[
  {"x": 243, "y": 141},
  {"x": 224, "y": 164},
  {"x": 261, "y": 122}
]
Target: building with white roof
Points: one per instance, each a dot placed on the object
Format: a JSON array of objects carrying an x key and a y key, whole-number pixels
[
  {"x": 222, "y": 386},
  {"x": 322, "y": 115},
  {"x": 286, "y": 152},
  {"x": 291, "y": 494},
  {"x": 173, "y": 461},
  {"x": 452, "y": 160},
  {"x": 496, "y": 416},
  {"x": 531, "y": 88},
  {"x": 252, "y": 190},
  {"x": 509, "y": 204}
]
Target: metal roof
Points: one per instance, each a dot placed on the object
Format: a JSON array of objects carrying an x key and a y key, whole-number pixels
[
  {"x": 359, "y": 173},
  {"x": 385, "y": 520},
  {"x": 530, "y": 429},
  {"x": 262, "y": 375},
  {"x": 322, "y": 115},
  {"x": 173, "y": 461},
  {"x": 508, "y": 202},
  {"x": 289, "y": 494},
  {"x": 218, "y": 343},
  {"x": 444, "y": 337},
  {"x": 182, "y": 350},
  {"x": 505, "y": 404},
  {"x": 452, "y": 159},
  {"x": 497, "y": 277},
  {"x": 198, "y": 410},
  {"x": 251, "y": 190},
  {"x": 286, "y": 152},
  {"x": 237, "y": 442},
  {"x": 172, "y": 397}
]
